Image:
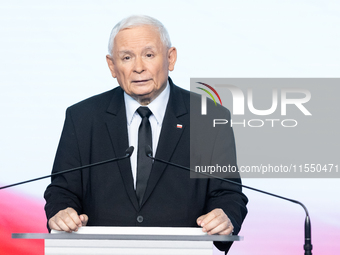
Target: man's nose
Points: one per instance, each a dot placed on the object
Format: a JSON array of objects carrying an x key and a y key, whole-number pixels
[{"x": 139, "y": 65}]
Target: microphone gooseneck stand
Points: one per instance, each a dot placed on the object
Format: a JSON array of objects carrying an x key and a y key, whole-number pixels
[
  {"x": 128, "y": 154},
  {"x": 308, "y": 241}
]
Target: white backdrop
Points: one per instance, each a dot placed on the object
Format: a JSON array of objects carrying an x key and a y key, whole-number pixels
[{"x": 52, "y": 55}]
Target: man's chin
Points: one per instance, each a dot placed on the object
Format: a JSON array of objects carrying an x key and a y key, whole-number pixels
[{"x": 144, "y": 99}]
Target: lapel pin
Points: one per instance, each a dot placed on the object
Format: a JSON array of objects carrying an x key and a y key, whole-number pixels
[{"x": 179, "y": 126}]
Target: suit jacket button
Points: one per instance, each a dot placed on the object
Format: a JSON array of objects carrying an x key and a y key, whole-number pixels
[{"x": 140, "y": 219}]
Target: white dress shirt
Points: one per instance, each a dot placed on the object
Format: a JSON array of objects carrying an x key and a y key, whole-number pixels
[{"x": 157, "y": 107}]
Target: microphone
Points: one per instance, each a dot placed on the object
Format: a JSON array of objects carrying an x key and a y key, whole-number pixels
[
  {"x": 128, "y": 154},
  {"x": 308, "y": 240}
]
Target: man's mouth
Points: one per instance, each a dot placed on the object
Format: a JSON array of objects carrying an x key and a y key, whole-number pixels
[{"x": 141, "y": 81}]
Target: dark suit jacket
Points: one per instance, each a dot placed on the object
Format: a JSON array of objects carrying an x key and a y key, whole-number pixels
[{"x": 96, "y": 130}]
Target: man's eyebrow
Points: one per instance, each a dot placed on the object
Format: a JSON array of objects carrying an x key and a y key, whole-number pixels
[
  {"x": 124, "y": 52},
  {"x": 149, "y": 48}
]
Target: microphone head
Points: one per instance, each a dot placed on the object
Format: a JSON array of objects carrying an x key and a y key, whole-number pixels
[
  {"x": 148, "y": 151},
  {"x": 129, "y": 151}
]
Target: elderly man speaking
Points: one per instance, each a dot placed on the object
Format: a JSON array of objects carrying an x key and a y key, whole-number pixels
[{"x": 146, "y": 109}]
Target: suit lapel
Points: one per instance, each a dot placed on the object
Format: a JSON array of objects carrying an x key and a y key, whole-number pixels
[
  {"x": 169, "y": 137},
  {"x": 117, "y": 128}
]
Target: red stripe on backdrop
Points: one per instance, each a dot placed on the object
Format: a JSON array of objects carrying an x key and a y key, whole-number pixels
[{"x": 21, "y": 214}]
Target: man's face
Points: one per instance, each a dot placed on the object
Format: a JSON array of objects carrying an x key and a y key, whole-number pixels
[{"x": 141, "y": 62}]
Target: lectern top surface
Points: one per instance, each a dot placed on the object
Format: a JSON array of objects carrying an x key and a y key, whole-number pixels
[{"x": 132, "y": 233}]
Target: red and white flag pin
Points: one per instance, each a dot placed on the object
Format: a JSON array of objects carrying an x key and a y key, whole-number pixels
[{"x": 179, "y": 126}]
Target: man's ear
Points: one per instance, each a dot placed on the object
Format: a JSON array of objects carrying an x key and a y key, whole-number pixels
[
  {"x": 111, "y": 65},
  {"x": 172, "y": 57}
]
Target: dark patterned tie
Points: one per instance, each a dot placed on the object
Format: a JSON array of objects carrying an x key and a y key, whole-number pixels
[{"x": 144, "y": 163}]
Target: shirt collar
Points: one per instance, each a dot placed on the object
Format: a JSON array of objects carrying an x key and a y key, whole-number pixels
[{"x": 157, "y": 106}]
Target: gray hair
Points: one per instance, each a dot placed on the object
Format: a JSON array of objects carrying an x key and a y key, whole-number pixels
[{"x": 140, "y": 20}]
